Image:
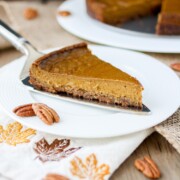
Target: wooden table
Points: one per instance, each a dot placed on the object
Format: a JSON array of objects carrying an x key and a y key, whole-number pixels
[{"x": 156, "y": 146}]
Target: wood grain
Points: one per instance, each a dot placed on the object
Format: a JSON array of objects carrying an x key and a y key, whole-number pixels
[
  {"x": 166, "y": 157},
  {"x": 7, "y": 55}
]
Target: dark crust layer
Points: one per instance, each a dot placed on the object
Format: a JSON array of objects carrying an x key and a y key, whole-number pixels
[
  {"x": 168, "y": 24},
  {"x": 124, "y": 102},
  {"x": 167, "y": 29},
  {"x": 56, "y": 53}
]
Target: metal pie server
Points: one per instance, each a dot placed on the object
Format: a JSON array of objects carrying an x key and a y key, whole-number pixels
[{"x": 31, "y": 54}]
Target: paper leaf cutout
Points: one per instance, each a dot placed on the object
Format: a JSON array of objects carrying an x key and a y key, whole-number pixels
[
  {"x": 14, "y": 135},
  {"x": 90, "y": 169},
  {"x": 54, "y": 151}
]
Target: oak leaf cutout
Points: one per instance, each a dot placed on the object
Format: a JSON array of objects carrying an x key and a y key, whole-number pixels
[
  {"x": 90, "y": 169},
  {"x": 54, "y": 151},
  {"x": 14, "y": 135}
]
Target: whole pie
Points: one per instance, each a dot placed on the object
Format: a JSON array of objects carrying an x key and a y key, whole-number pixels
[
  {"x": 119, "y": 11},
  {"x": 76, "y": 72}
]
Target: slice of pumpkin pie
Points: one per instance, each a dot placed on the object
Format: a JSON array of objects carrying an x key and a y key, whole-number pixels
[{"x": 75, "y": 71}]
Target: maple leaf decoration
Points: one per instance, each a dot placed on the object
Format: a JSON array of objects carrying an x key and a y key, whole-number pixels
[
  {"x": 90, "y": 170},
  {"x": 54, "y": 151},
  {"x": 14, "y": 135}
]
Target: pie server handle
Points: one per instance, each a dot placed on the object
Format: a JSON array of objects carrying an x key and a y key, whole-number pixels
[
  {"x": 19, "y": 42},
  {"x": 22, "y": 45}
]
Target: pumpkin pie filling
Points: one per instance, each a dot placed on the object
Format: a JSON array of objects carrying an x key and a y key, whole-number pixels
[{"x": 74, "y": 70}]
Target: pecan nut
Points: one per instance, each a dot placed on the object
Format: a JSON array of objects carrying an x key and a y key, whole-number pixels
[
  {"x": 148, "y": 167},
  {"x": 30, "y": 13},
  {"x": 24, "y": 110},
  {"x": 64, "y": 13},
  {"x": 52, "y": 111},
  {"x": 176, "y": 66},
  {"x": 45, "y": 113},
  {"x": 55, "y": 177}
]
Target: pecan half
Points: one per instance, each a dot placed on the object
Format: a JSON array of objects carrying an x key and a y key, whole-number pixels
[
  {"x": 30, "y": 13},
  {"x": 52, "y": 111},
  {"x": 55, "y": 177},
  {"x": 176, "y": 66},
  {"x": 45, "y": 113},
  {"x": 24, "y": 110},
  {"x": 64, "y": 13},
  {"x": 148, "y": 167}
]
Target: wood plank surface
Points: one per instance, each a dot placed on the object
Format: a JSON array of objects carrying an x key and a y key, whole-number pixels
[{"x": 166, "y": 157}]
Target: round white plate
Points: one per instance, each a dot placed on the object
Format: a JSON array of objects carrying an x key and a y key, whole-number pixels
[
  {"x": 161, "y": 95},
  {"x": 80, "y": 24}
]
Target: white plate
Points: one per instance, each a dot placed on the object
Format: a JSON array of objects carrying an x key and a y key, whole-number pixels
[
  {"x": 161, "y": 95},
  {"x": 80, "y": 24}
]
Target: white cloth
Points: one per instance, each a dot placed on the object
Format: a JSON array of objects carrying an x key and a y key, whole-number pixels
[{"x": 21, "y": 162}]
